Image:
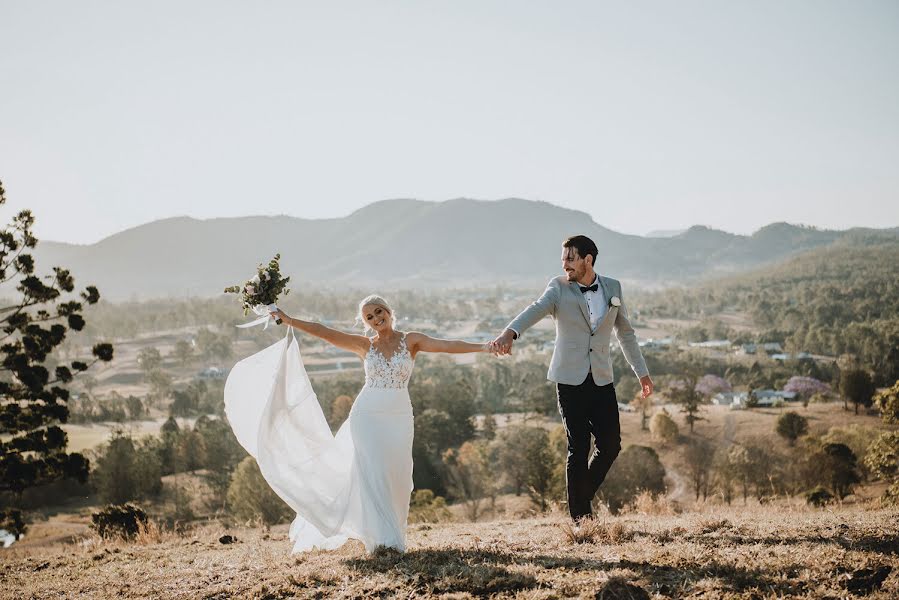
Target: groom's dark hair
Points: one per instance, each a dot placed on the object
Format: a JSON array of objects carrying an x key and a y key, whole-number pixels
[{"x": 583, "y": 245}]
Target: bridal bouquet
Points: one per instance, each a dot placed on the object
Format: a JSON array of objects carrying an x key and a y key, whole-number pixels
[{"x": 260, "y": 293}]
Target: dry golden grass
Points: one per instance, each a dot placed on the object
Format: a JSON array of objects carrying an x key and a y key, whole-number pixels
[{"x": 753, "y": 551}]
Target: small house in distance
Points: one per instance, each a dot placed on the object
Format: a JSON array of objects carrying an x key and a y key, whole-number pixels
[
  {"x": 212, "y": 373},
  {"x": 769, "y": 347},
  {"x": 716, "y": 344},
  {"x": 653, "y": 343},
  {"x": 787, "y": 356},
  {"x": 763, "y": 398}
]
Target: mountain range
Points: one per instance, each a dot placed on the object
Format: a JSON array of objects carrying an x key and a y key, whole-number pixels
[{"x": 412, "y": 243}]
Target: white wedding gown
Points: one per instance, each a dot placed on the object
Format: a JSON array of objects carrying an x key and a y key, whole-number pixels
[{"x": 355, "y": 484}]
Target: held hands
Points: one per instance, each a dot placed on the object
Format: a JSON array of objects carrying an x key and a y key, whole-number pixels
[
  {"x": 502, "y": 344},
  {"x": 646, "y": 384}
]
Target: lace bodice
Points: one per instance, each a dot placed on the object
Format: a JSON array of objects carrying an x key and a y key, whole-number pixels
[{"x": 388, "y": 373}]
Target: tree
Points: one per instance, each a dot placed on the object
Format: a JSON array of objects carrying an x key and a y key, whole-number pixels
[
  {"x": 883, "y": 461},
  {"x": 160, "y": 384},
  {"x": 193, "y": 400},
  {"x": 470, "y": 476},
  {"x": 710, "y": 385},
  {"x": 250, "y": 497},
  {"x": 340, "y": 410},
  {"x": 184, "y": 403},
  {"x": 223, "y": 453},
  {"x": 135, "y": 407},
  {"x": 806, "y": 387},
  {"x": 834, "y": 466},
  {"x": 725, "y": 474},
  {"x": 791, "y": 426},
  {"x": 510, "y": 456},
  {"x": 441, "y": 386},
  {"x": 637, "y": 469},
  {"x": 149, "y": 360},
  {"x": 883, "y": 455},
  {"x": 663, "y": 428},
  {"x": 488, "y": 426},
  {"x": 213, "y": 346},
  {"x": 433, "y": 435},
  {"x": 756, "y": 466},
  {"x": 170, "y": 433},
  {"x": 183, "y": 352},
  {"x": 698, "y": 456},
  {"x": 32, "y": 399},
  {"x": 857, "y": 386},
  {"x": 170, "y": 426},
  {"x": 684, "y": 393},
  {"x": 190, "y": 451},
  {"x": 126, "y": 470},
  {"x": 541, "y": 462},
  {"x": 494, "y": 380},
  {"x": 888, "y": 404}
]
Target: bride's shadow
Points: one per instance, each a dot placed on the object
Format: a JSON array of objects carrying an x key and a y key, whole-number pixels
[
  {"x": 483, "y": 572},
  {"x": 477, "y": 572}
]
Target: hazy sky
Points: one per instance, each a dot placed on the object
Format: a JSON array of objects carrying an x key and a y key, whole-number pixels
[{"x": 646, "y": 115}]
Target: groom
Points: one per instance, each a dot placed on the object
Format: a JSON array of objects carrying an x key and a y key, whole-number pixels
[{"x": 587, "y": 308}]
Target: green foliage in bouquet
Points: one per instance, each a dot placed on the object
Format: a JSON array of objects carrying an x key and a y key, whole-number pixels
[{"x": 264, "y": 288}]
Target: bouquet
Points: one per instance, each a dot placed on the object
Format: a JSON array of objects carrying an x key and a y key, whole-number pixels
[{"x": 260, "y": 293}]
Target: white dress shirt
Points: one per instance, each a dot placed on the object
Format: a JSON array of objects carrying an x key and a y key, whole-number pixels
[{"x": 596, "y": 303}]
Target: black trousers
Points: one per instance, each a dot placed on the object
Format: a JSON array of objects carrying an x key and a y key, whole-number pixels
[{"x": 588, "y": 409}]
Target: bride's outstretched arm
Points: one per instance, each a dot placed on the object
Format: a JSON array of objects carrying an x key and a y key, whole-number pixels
[
  {"x": 419, "y": 342},
  {"x": 357, "y": 344}
]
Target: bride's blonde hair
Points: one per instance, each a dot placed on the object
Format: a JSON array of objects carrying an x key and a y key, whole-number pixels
[{"x": 378, "y": 301}]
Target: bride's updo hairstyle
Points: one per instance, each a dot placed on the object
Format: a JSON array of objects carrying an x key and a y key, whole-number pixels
[{"x": 378, "y": 301}]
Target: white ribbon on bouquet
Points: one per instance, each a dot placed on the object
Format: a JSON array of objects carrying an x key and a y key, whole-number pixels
[{"x": 264, "y": 316}]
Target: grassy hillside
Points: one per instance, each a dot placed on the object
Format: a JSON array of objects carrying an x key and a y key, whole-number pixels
[
  {"x": 841, "y": 299},
  {"x": 744, "y": 552}
]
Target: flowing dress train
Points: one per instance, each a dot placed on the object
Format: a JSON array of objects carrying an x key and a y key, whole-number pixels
[{"x": 355, "y": 484}]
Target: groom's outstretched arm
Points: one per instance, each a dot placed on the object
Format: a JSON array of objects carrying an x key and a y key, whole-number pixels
[{"x": 545, "y": 305}]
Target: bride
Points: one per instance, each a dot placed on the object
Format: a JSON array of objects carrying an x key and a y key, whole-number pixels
[{"x": 357, "y": 483}]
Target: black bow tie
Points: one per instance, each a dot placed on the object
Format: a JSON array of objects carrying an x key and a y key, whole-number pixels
[{"x": 589, "y": 288}]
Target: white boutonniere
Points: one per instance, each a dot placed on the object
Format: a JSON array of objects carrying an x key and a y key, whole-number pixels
[{"x": 615, "y": 301}]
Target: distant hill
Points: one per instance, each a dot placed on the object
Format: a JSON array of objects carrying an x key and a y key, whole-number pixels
[
  {"x": 665, "y": 233},
  {"x": 411, "y": 243}
]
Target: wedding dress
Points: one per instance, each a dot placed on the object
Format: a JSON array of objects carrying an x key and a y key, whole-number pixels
[{"x": 355, "y": 484}]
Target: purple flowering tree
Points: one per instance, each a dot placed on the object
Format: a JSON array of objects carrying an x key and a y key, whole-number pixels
[
  {"x": 806, "y": 387},
  {"x": 709, "y": 385}
]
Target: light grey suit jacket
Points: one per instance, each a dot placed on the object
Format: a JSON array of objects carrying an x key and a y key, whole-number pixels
[{"x": 579, "y": 348}]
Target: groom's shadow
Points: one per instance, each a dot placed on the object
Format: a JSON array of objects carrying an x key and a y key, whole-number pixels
[{"x": 487, "y": 572}]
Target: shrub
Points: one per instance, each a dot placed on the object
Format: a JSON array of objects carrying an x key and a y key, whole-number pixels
[
  {"x": 663, "y": 428},
  {"x": 858, "y": 437},
  {"x": 637, "y": 469},
  {"x": 887, "y": 403},
  {"x": 792, "y": 426},
  {"x": 883, "y": 461},
  {"x": 470, "y": 476},
  {"x": 125, "y": 470},
  {"x": 250, "y": 498},
  {"x": 527, "y": 457},
  {"x": 425, "y": 507},
  {"x": 818, "y": 497},
  {"x": 118, "y": 520},
  {"x": 834, "y": 467}
]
